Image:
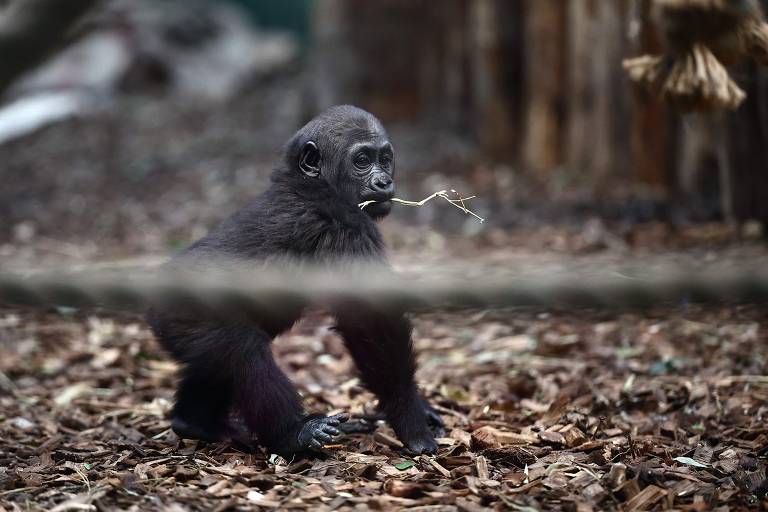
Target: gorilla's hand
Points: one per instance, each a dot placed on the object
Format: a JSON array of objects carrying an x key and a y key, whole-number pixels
[
  {"x": 312, "y": 433},
  {"x": 319, "y": 431}
]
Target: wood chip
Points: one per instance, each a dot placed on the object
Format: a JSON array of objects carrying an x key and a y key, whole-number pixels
[
  {"x": 646, "y": 498},
  {"x": 482, "y": 468},
  {"x": 549, "y": 436}
]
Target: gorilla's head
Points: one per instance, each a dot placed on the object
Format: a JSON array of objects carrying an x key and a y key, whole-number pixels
[{"x": 349, "y": 150}]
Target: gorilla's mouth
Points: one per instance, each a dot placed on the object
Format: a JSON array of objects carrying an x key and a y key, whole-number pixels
[
  {"x": 374, "y": 198},
  {"x": 379, "y": 208},
  {"x": 379, "y": 198}
]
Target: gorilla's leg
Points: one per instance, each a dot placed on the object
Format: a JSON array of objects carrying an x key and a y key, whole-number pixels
[
  {"x": 229, "y": 366},
  {"x": 272, "y": 408},
  {"x": 380, "y": 343},
  {"x": 202, "y": 405},
  {"x": 204, "y": 393},
  {"x": 265, "y": 396}
]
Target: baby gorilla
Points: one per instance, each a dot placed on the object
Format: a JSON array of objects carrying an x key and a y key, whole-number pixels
[{"x": 309, "y": 214}]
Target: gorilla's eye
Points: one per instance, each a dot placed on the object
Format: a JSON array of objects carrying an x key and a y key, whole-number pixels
[
  {"x": 362, "y": 161},
  {"x": 385, "y": 161}
]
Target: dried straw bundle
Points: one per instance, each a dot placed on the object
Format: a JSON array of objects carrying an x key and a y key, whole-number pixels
[{"x": 702, "y": 37}]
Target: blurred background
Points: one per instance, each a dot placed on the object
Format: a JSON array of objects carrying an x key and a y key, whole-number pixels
[
  {"x": 128, "y": 128},
  {"x": 133, "y": 126}
]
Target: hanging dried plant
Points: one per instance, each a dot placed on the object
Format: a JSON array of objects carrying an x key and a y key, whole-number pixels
[{"x": 701, "y": 38}]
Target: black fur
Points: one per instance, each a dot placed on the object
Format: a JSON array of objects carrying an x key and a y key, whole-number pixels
[{"x": 309, "y": 214}]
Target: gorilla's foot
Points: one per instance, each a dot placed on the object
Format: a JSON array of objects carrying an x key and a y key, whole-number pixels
[{"x": 191, "y": 430}]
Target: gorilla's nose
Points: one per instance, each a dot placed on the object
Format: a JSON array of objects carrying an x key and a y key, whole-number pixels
[{"x": 382, "y": 183}]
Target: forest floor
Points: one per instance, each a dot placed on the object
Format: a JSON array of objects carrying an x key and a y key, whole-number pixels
[{"x": 544, "y": 409}]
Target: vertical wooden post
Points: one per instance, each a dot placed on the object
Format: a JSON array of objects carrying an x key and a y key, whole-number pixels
[
  {"x": 329, "y": 61},
  {"x": 747, "y": 148},
  {"x": 597, "y": 109},
  {"x": 544, "y": 85},
  {"x": 491, "y": 103},
  {"x": 652, "y": 129},
  {"x": 580, "y": 102}
]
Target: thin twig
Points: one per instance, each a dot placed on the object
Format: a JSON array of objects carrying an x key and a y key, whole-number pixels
[{"x": 458, "y": 203}]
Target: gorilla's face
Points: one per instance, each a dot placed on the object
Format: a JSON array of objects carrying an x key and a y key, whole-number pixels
[
  {"x": 349, "y": 149},
  {"x": 371, "y": 164}
]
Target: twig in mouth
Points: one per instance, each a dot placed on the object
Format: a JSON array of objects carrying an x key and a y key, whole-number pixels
[{"x": 458, "y": 203}]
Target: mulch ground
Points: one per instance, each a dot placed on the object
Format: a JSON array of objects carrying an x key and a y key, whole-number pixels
[{"x": 544, "y": 411}]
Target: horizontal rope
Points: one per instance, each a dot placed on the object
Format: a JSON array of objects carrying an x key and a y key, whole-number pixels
[{"x": 268, "y": 289}]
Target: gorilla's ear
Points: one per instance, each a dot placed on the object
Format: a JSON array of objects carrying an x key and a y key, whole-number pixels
[{"x": 309, "y": 160}]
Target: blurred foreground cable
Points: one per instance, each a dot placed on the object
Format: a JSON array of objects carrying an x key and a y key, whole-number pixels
[{"x": 266, "y": 291}]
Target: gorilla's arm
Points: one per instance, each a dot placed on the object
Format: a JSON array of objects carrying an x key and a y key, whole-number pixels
[{"x": 380, "y": 343}]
